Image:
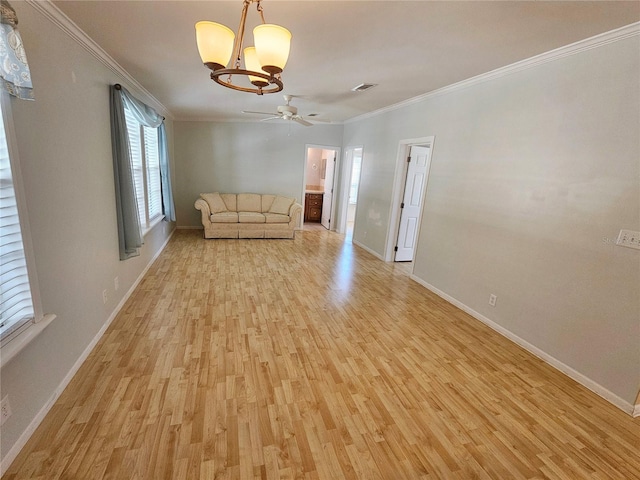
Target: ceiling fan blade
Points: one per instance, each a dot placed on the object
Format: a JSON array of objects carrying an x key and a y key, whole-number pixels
[
  {"x": 259, "y": 113},
  {"x": 320, "y": 120},
  {"x": 273, "y": 117},
  {"x": 302, "y": 121}
]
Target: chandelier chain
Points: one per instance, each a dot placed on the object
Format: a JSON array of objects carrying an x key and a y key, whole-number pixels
[{"x": 261, "y": 11}]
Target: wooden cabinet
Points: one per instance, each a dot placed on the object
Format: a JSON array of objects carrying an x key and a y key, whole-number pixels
[{"x": 313, "y": 207}]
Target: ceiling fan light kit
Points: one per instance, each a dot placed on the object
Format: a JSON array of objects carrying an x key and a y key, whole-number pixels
[{"x": 263, "y": 63}]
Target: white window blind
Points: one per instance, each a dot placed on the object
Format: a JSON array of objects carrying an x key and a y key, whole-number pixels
[
  {"x": 16, "y": 304},
  {"x": 154, "y": 186},
  {"x": 145, "y": 160},
  {"x": 135, "y": 145}
]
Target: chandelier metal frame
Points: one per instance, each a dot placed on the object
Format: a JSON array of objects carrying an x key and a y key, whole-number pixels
[{"x": 224, "y": 76}]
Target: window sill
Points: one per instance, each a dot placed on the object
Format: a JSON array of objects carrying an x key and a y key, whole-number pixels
[
  {"x": 152, "y": 224},
  {"x": 20, "y": 341}
]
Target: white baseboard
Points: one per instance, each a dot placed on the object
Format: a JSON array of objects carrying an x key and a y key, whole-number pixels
[
  {"x": 367, "y": 249},
  {"x": 190, "y": 227},
  {"x": 554, "y": 362},
  {"x": 11, "y": 455}
]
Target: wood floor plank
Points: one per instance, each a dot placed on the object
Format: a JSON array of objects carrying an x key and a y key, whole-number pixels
[{"x": 311, "y": 359}]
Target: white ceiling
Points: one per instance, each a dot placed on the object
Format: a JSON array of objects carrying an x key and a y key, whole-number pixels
[{"x": 408, "y": 48}]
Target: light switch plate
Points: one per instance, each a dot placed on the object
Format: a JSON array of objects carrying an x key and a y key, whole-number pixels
[{"x": 629, "y": 238}]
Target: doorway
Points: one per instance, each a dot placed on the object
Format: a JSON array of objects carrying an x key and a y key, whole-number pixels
[
  {"x": 319, "y": 176},
  {"x": 412, "y": 171},
  {"x": 352, "y": 170}
]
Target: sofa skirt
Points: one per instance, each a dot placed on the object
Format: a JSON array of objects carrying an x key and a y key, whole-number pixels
[{"x": 248, "y": 230}]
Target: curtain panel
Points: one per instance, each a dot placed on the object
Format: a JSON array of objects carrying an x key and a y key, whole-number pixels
[
  {"x": 165, "y": 176},
  {"x": 14, "y": 68},
  {"x": 129, "y": 234},
  {"x": 148, "y": 117}
]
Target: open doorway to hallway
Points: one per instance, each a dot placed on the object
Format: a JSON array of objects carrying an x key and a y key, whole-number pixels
[
  {"x": 320, "y": 169},
  {"x": 350, "y": 186}
]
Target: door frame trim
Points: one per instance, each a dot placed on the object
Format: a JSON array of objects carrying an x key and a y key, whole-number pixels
[{"x": 398, "y": 191}]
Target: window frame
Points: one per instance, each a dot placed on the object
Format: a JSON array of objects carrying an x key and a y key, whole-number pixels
[
  {"x": 13, "y": 343},
  {"x": 147, "y": 222}
]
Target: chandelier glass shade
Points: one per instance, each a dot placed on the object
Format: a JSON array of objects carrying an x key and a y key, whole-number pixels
[{"x": 263, "y": 62}]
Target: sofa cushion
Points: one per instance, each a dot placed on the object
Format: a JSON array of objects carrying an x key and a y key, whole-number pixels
[
  {"x": 281, "y": 205},
  {"x": 224, "y": 217},
  {"x": 251, "y": 217},
  {"x": 267, "y": 201},
  {"x": 249, "y": 202},
  {"x": 230, "y": 201},
  {"x": 216, "y": 205},
  {"x": 276, "y": 218}
]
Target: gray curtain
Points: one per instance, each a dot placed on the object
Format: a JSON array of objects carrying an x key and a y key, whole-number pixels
[
  {"x": 146, "y": 115},
  {"x": 165, "y": 174},
  {"x": 129, "y": 234}
]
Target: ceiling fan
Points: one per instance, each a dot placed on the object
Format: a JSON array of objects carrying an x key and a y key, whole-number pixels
[{"x": 285, "y": 112}]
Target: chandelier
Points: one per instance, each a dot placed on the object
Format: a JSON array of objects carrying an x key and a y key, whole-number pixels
[{"x": 263, "y": 62}]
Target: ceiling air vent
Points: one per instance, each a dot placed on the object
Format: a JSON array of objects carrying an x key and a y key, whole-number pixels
[{"x": 363, "y": 86}]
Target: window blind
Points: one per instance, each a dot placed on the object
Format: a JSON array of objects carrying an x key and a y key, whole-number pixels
[
  {"x": 133, "y": 129},
  {"x": 154, "y": 185},
  {"x": 16, "y": 304}
]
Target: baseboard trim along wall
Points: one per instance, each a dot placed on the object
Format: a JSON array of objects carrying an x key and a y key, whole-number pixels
[
  {"x": 367, "y": 249},
  {"x": 554, "y": 362},
  {"x": 26, "y": 435}
]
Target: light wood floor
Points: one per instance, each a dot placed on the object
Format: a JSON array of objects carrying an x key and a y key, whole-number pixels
[{"x": 311, "y": 359}]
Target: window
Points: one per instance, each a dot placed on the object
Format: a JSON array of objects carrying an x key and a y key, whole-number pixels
[
  {"x": 145, "y": 160},
  {"x": 21, "y": 318},
  {"x": 16, "y": 305}
]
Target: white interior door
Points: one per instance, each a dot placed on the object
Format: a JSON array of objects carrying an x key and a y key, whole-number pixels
[
  {"x": 412, "y": 203},
  {"x": 327, "y": 199}
]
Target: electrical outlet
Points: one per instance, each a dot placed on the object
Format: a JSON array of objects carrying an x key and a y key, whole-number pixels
[
  {"x": 116, "y": 283},
  {"x": 629, "y": 238},
  {"x": 492, "y": 300},
  {"x": 104, "y": 296},
  {"x": 5, "y": 409}
]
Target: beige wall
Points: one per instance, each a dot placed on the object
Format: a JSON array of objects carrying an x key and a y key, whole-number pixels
[
  {"x": 260, "y": 157},
  {"x": 64, "y": 143},
  {"x": 533, "y": 175}
]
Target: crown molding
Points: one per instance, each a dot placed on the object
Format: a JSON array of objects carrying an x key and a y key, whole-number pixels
[
  {"x": 596, "y": 41},
  {"x": 64, "y": 23}
]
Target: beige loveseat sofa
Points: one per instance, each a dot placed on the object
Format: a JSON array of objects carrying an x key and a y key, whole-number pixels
[{"x": 248, "y": 215}]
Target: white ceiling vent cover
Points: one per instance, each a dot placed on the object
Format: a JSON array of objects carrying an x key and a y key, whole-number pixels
[{"x": 363, "y": 86}]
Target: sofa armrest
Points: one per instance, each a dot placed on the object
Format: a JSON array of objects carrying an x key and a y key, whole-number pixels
[
  {"x": 295, "y": 211},
  {"x": 205, "y": 212}
]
